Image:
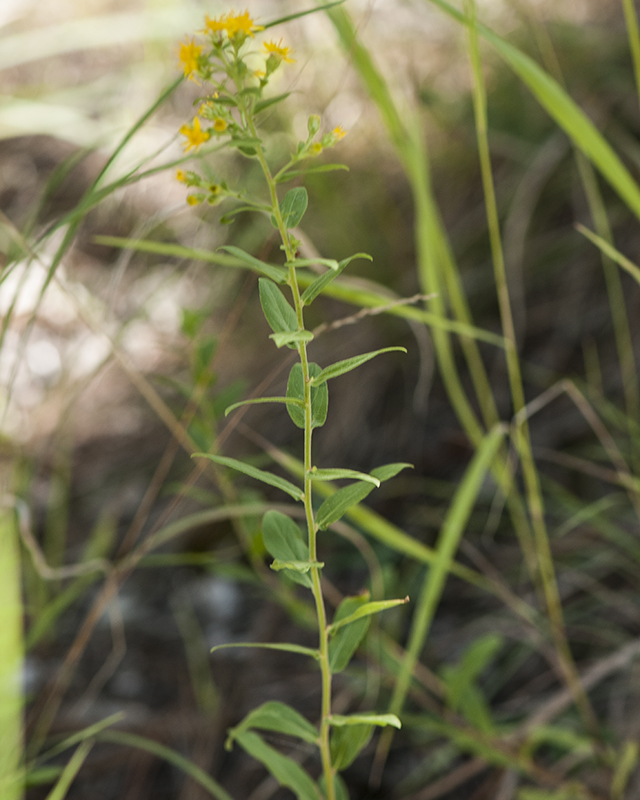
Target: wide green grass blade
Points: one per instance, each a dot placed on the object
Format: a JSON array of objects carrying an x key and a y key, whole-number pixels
[
  {"x": 452, "y": 530},
  {"x": 11, "y": 655},
  {"x": 560, "y": 106}
]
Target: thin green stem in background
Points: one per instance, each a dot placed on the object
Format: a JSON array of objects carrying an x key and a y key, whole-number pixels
[
  {"x": 631, "y": 20},
  {"x": 545, "y": 565}
]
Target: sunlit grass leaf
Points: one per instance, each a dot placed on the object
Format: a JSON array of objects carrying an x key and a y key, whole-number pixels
[
  {"x": 290, "y": 337},
  {"x": 347, "y": 742},
  {"x": 382, "y": 720},
  {"x": 276, "y": 274},
  {"x": 279, "y": 717},
  {"x": 11, "y": 656},
  {"x": 254, "y": 472},
  {"x": 315, "y": 288},
  {"x": 292, "y": 207},
  {"x": 566, "y": 113},
  {"x": 336, "y": 474},
  {"x": 348, "y": 364},
  {"x": 277, "y": 311},
  {"x": 286, "y": 771},
  {"x": 366, "y": 610},
  {"x": 283, "y": 540},
  {"x": 319, "y": 397},
  {"x": 346, "y": 641}
]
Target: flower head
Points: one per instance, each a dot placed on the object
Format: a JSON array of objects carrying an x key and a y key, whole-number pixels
[
  {"x": 195, "y": 135},
  {"x": 339, "y": 132},
  {"x": 233, "y": 24},
  {"x": 189, "y": 52},
  {"x": 279, "y": 51},
  {"x": 219, "y": 125},
  {"x": 181, "y": 175}
]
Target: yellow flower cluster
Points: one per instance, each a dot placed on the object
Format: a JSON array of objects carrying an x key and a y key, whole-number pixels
[
  {"x": 232, "y": 24},
  {"x": 195, "y": 135}
]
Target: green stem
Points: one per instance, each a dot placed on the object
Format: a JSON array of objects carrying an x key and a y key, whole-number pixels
[{"x": 323, "y": 632}]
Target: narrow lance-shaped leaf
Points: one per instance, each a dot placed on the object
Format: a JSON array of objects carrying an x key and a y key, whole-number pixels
[
  {"x": 279, "y": 717},
  {"x": 276, "y": 274},
  {"x": 372, "y": 718},
  {"x": 298, "y": 566},
  {"x": 286, "y": 771},
  {"x": 341, "y": 367},
  {"x": 277, "y": 311},
  {"x": 316, "y": 474},
  {"x": 290, "y": 174},
  {"x": 310, "y": 262},
  {"x": 254, "y": 472},
  {"x": 367, "y": 610},
  {"x": 315, "y": 288},
  {"x": 255, "y": 400},
  {"x": 285, "y": 647},
  {"x": 341, "y": 501},
  {"x": 319, "y": 397}
]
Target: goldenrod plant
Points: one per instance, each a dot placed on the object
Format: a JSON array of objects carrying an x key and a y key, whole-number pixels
[{"x": 234, "y": 73}]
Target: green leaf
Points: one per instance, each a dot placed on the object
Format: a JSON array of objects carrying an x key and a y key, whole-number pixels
[
  {"x": 261, "y": 105},
  {"x": 475, "y": 659},
  {"x": 366, "y": 610},
  {"x": 286, "y": 771},
  {"x": 298, "y": 566},
  {"x": 277, "y": 311},
  {"x": 255, "y": 400},
  {"x": 347, "y": 742},
  {"x": 309, "y": 262},
  {"x": 279, "y": 717},
  {"x": 609, "y": 250},
  {"x": 276, "y": 274},
  {"x": 299, "y": 14},
  {"x": 254, "y": 472},
  {"x": 345, "y": 642},
  {"x": 315, "y": 288},
  {"x": 319, "y": 397},
  {"x": 340, "y": 367},
  {"x": 316, "y": 474},
  {"x": 292, "y": 207},
  {"x": 341, "y": 501},
  {"x": 283, "y": 540},
  {"x": 372, "y": 718},
  {"x": 387, "y": 471},
  {"x": 288, "y": 648},
  {"x": 71, "y": 769},
  {"x": 337, "y": 504},
  {"x": 291, "y": 337}
]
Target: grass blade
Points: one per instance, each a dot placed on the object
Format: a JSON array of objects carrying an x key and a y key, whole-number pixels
[
  {"x": 70, "y": 771},
  {"x": 11, "y": 655}
]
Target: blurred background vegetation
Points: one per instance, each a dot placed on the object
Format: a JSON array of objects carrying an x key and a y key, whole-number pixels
[{"x": 116, "y": 363}]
